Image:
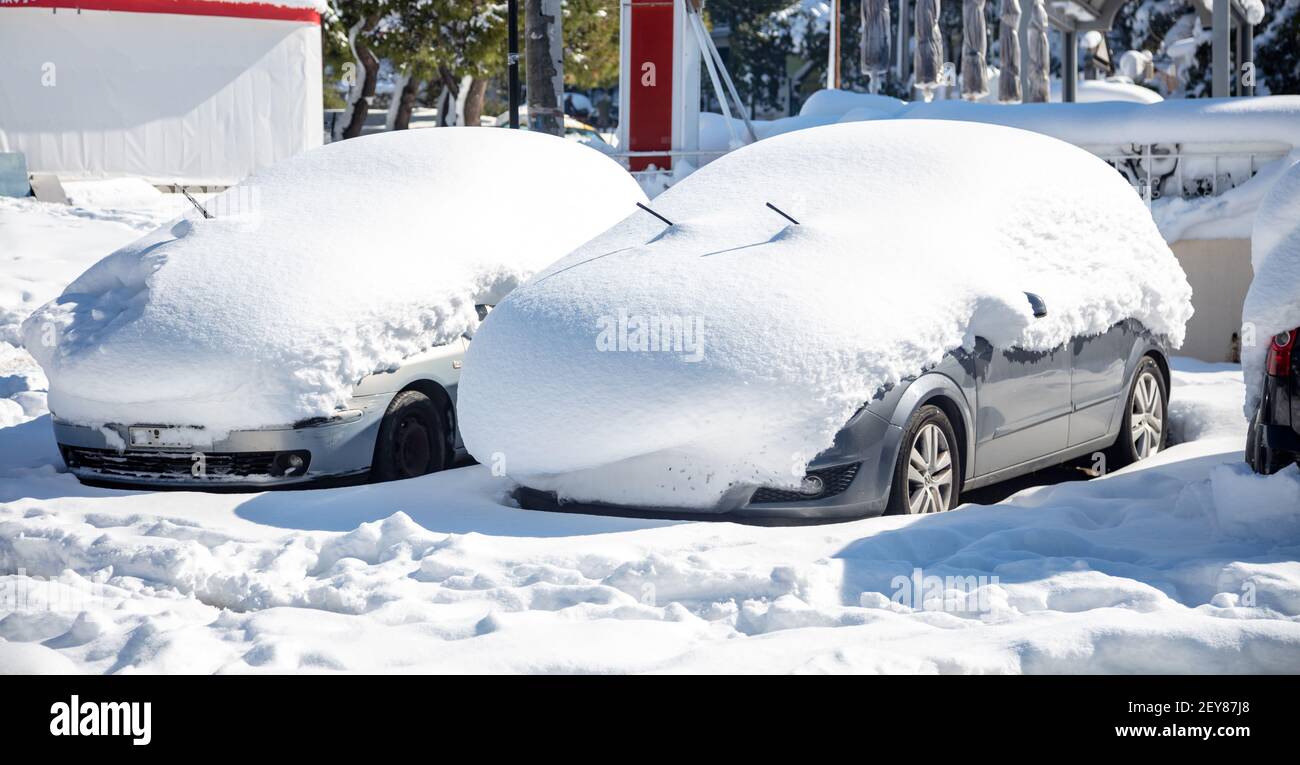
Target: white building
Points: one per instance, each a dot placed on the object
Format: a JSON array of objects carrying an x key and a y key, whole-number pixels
[{"x": 199, "y": 92}]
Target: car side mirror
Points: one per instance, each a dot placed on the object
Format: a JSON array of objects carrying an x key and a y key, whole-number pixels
[
  {"x": 1038, "y": 305},
  {"x": 482, "y": 310}
]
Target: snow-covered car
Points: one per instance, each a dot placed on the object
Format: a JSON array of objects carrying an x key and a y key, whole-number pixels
[
  {"x": 839, "y": 321},
  {"x": 1271, "y": 319},
  {"x": 310, "y": 324}
]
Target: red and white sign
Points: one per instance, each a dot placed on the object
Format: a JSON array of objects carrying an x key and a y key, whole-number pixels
[{"x": 649, "y": 109}]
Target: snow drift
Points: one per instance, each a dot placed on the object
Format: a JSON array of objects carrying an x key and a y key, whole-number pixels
[
  {"x": 731, "y": 346},
  {"x": 317, "y": 272},
  {"x": 1273, "y": 301}
]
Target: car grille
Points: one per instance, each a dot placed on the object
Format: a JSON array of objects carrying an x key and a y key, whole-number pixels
[
  {"x": 169, "y": 465},
  {"x": 834, "y": 481}
]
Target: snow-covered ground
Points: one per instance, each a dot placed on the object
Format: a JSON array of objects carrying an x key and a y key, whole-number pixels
[{"x": 1186, "y": 563}]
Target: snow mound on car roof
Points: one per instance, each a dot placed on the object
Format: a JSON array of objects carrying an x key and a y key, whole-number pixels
[
  {"x": 327, "y": 267},
  {"x": 1273, "y": 301},
  {"x": 914, "y": 237}
]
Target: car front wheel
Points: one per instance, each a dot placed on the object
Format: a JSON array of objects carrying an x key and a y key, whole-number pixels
[
  {"x": 412, "y": 439},
  {"x": 927, "y": 475}
]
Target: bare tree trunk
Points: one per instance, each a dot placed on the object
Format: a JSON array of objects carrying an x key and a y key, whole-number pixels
[
  {"x": 447, "y": 99},
  {"x": 406, "y": 103},
  {"x": 367, "y": 69},
  {"x": 544, "y": 52},
  {"x": 395, "y": 101},
  {"x": 474, "y": 101}
]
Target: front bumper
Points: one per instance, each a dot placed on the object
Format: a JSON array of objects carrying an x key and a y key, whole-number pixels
[
  {"x": 856, "y": 473},
  {"x": 335, "y": 449}
]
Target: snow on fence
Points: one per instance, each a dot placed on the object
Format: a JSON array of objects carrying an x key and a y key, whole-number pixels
[
  {"x": 1159, "y": 170},
  {"x": 1188, "y": 148}
]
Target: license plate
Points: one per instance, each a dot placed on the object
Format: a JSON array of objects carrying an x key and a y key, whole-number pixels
[{"x": 174, "y": 438}]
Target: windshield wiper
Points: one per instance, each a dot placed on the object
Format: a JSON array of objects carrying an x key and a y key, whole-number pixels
[{"x": 782, "y": 213}]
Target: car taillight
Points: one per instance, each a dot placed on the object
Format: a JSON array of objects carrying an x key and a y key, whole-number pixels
[{"x": 1279, "y": 354}]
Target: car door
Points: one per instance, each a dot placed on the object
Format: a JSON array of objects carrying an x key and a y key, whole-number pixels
[
  {"x": 1023, "y": 409},
  {"x": 1097, "y": 381}
]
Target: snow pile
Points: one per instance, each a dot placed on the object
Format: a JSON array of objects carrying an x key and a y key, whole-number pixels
[
  {"x": 1137, "y": 572},
  {"x": 1161, "y": 567},
  {"x": 330, "y": 266},
  {"x": 732, "y": 346},
  {"x": 1273, "y": 301},
  {"x": 1195, "y": 120},
  {"x": 1256, "y": 506},
  {"x": 1269, "y": 120},
  {"x": 113, "y": 193},
  {"x": 1206, "y": 401},
  {"x": 832, "y": 102},
  {"x": 1094, "y": 91}
]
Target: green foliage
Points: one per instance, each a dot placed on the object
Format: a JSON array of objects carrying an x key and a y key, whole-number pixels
[
  {"x": 762, "y": 43},
  {"x": 591, "y": 54},
  {"x": 1277, "y": 58},
  {"x": 456, "y": 38}
]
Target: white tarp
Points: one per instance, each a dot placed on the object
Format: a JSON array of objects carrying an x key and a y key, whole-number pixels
[{"x": 202, "y": 100}]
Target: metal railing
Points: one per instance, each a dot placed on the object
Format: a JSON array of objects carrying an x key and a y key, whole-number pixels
[
  {"x": 625, "y": 158},
  {"x": 1156, "y": 170},
  {"x": 1174, "y": 170}
]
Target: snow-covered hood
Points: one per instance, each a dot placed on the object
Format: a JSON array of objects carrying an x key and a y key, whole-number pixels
[
  {"x": 323, "y": 269},
  {"x": 667, "y": 363},
  {"x": 1273, "y": 302}
]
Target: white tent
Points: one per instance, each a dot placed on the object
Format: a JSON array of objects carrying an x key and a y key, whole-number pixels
[{"x": 200, "y": 92}]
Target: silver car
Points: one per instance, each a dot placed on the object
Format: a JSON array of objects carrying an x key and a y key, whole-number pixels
[
  {"x": 976, "y": 418},
  {"x": 397, "y": 424}
]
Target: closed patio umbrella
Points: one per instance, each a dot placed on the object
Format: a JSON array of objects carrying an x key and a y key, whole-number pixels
[
  {"x": 928, "y": 63},
  {"x": 974, "y": 43},
  {"x": 875, "y": 41},
  {"x": 1009, "y": 52},
  {"x": 1037, "y": 56}
]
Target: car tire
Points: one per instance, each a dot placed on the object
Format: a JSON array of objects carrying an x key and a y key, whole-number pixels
[
  {"x": 413, "y": 439},
  {"x": 927, "y": 473},
  {"x": 1262, "y": 459},
  {"x": 1140, "y": 439}
]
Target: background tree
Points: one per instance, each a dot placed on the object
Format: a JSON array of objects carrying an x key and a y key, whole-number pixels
[
  {"x": 356, "y": 20},
  {"x": 1277, "y": 52},
  {"x": 544, "y": 54},
  {"x": 474, "y": 35},
  {"x": 591, "y": 44},
  {"x": 406, "y": 37}
]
